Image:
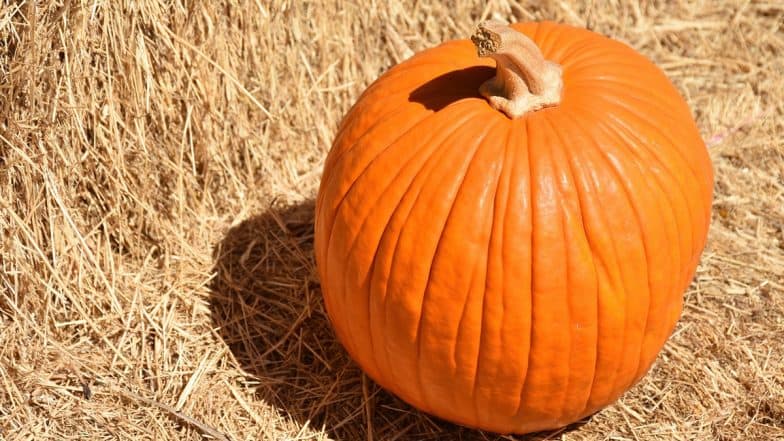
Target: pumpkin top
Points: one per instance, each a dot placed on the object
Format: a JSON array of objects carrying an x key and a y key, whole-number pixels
[{"x": 524, "y": 80}]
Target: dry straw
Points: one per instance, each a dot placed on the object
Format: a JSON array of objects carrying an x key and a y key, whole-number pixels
[{"x": 158, "y": 160}]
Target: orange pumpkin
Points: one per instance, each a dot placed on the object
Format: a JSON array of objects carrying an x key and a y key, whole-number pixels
[{"x": 504, "y": 239}]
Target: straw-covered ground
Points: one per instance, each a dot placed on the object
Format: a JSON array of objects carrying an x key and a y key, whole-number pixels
[{"x": 158, "y": 163}]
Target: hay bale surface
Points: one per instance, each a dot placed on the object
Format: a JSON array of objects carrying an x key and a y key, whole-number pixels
[{"x": 158, "y": 162}]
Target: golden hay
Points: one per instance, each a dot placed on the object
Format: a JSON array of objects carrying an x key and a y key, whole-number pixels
[{"x": 158, "y": 162}]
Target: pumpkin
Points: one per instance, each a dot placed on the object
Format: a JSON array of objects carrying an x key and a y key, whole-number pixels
[{"x": 504, "y": 230}]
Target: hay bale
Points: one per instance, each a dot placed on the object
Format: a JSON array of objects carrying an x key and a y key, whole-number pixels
[{"x": 158, "y": 162}]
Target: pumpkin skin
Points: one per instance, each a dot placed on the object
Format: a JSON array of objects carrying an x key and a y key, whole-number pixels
[{"x": 513, "y": 275}]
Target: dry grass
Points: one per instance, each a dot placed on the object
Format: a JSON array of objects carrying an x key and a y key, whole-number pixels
[{"x": 158, "y": 161}]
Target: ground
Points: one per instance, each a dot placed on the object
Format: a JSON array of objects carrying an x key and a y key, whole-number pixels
[{"x": 158, "y": 163}]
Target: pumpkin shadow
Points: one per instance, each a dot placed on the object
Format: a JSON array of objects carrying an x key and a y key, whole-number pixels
[
  {"x": 265, "y": 302},
  {"x": 451, "y": 87}
]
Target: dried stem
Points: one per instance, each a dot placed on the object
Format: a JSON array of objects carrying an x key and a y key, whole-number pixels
[{"x": 524, "y": 80}]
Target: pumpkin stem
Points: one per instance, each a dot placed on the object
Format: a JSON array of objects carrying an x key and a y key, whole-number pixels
[{"x": 524, "y": 80}]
